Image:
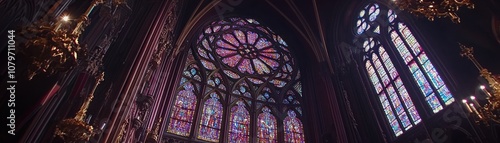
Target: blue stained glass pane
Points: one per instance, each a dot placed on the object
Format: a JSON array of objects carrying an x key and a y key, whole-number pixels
[
  {"x": 422, "y": 82},
  {"x": 405, "y": 121},
  {"x": 396, "y": 128},
  {"x": 242, "y": 89},
  {"x": 428, "y": 66},
  {"x": 445, "y": 94},
  {"x": 435, "y": 78},
  {"x": 434, "y": 103},
  {"x": 414, "y": 115}
]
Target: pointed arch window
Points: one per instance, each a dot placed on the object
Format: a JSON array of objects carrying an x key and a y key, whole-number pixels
[
  {"x": 239, "y": 123},
  {"x": 243, "y": 68},
  {"x": 396, "y": 102},
  {"x": 267, "y": 126},
  {"x": 293, "y": 128}
]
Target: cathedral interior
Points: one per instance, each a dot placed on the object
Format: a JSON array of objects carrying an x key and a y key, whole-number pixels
[{"x": 179, "y": 71}]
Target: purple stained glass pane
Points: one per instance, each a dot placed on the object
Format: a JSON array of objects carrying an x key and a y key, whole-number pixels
[
  {"x": 262, "y": 43},
  {"x": 293, "y": 128},
  {"x": 278, "y": 83},
  {"x": 241, "y": 36},
  {"x": 224, "y": 44},
  {"x": 182, "y": 113},
  {"x": 232, "y": 61},
  {"x": 225, "y": 52},
  {"x": 208, "y": 65},
  {"x": 202, "y": 53},
  {"x": 231, "y": 39},
  {"x": 245, "y": 66},
  {"x": 252, "y": 37},
  {"x": 269, "y": 62},
  {"x": 255, "y": 80},
  {"x": 260, "y": 67},
  {"x": 239, "y": 124},
  {"x": 231, "y": 74},
  {"x": 216, "y": 28},
  {"x": 266, "y": 127},
  {"x": 211, "y": 118}
]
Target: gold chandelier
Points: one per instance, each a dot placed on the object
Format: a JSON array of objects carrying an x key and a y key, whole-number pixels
[
  {"x": 52, "y": 47},
  {"x": 489, "y": 112},
  {"x": 434, "y": 8}
]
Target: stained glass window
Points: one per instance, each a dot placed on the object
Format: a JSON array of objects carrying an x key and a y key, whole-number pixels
[
  {"x": 267, "y": 130},
  {"x": 242, "y": 67},
  {"x": 211, "y": 118},
  {"x": 293, "y": 128},
  {"x": 435, "y": 91},
  {"x": 183, "y": 111},
  {"x": 396, "y": 103},
  {"x": 394, "y": 99},
  {"x": 239, "y": 124}
]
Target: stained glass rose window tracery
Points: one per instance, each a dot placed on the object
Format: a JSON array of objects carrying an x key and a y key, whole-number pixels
[{"x": 244, "y": 67}]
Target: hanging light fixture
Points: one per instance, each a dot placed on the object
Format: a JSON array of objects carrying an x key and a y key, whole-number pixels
[{"x": 434, "y": 8}]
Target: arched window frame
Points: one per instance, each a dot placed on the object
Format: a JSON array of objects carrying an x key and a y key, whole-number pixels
[
  {"x": 379, "y": 27},
  {"x": 289, "y": 72}
]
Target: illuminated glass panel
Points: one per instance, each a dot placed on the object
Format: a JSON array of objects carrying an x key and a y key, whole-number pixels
[
  {"x": 426, "y": 76},
  {"x": 239, "y": 124},
  {"x": 236, "y": 60},
  {"x": 266, "y": 127},
  {"x": 397, "y": 104},
  {"x": 183, "y": 111},
  {"x": 211, "y": 118},
  {"x": 294, "y": 132}
]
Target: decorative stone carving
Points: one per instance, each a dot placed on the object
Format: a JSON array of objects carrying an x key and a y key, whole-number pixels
[{"x": 144, "y": 102}]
